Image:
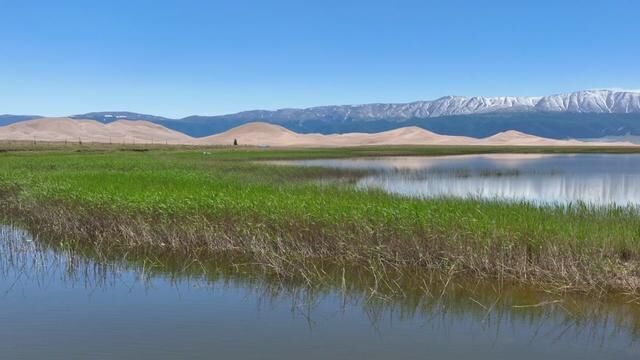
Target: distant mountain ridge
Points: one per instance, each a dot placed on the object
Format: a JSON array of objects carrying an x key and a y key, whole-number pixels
[
  {"x": 6, "y": 119},
  {"x": 110, "y": 116},
  {"x": 581, "y": 114},
  {"x": 587, "y": 101}
]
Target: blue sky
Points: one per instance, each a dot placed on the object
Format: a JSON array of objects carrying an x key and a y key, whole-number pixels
[{"x": 177, "y": 58}]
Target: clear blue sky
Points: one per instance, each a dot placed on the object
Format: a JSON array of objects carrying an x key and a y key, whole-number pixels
[{"x": 176, "y": 58}]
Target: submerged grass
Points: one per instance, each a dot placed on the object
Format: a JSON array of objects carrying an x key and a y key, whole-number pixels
[
  {"x": 220, "y": 202},
  {"x": 435, "y": 299}
]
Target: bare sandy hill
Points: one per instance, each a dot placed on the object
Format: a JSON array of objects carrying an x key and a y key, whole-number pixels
[
  {"x": 74, "y": 130},
  {"x": 403, "y": 136},
  {"x": 50, "y": 129},
  {"x": 145, "y": 132},
  {"x": 513, "y": 137},
  {"x": 264, "y": 134},
  {"x": 256, "y": 134}
]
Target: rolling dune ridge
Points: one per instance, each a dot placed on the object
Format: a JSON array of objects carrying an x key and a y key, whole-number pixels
[{"x": 253, "y": 134}]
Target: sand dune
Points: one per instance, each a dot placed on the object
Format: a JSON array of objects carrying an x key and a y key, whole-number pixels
[
  {"x": 73, "y": 130},
  {"x": 259, "y": 133},
  {"x": 255, "y": 134},
  {"x": 273, "y": 135},
  {"x": 512, "y": 137},
  {"x": 403, "y": 136}
]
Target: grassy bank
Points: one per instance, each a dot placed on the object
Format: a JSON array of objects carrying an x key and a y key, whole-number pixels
[{"x": 220, "y": 202}]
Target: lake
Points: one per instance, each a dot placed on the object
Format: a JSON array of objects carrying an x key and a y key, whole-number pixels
[
  {"x": 591, "y": 179},
  {"x": 58, "y": 304}
]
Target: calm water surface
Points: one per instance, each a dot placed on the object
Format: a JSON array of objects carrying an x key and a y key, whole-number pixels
[
  {"x": 598, "y": 180},
  {"x": 57, "y": 305}
]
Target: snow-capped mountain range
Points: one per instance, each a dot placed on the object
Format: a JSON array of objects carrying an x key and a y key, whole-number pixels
[
  {"x": 587, "y": 101},
  {"x": 581, "y": 114},
  {"x": 592, "y": 101}
]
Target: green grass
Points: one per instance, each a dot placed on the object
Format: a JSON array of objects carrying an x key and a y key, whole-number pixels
[{"x": 220, "y": 201}]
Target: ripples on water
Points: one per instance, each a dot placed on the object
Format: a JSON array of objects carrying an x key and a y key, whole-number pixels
[
  {"x": 596, "y": 180},
  {"x": 58, "y": 304}
]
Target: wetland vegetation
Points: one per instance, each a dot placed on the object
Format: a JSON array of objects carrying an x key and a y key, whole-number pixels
[
  {"x": 64, "y": 301},
  {"x": 298, "y": 224}
]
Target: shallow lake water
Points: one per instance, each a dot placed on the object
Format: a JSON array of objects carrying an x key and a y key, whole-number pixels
[
  {"x": 55, "y": 304},
  {"x": 593, "y": 179}
]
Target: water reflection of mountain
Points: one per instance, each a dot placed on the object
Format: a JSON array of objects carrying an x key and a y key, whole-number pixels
[
  {"x": 596, "y": 179},
  {"x": 596, "y": 189}
]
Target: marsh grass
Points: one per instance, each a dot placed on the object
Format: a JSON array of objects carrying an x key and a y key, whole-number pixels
[
  {"x": 220, "y": 203},
  {"x": 433, "y": 296}
]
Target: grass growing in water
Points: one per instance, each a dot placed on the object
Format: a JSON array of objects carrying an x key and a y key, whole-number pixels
[{"x": 221, "y": 202}]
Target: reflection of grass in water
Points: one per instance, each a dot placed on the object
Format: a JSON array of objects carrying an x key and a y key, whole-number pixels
[
  {"x": 201, "y": 205},
  {"x": 436, "y": 298}
]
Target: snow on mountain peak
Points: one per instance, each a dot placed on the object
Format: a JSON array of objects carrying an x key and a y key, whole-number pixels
[{"x": 592, "y": 101}]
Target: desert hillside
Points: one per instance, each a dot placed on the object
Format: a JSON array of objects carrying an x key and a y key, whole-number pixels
[
  {"x": 76, "y": 130},
  {"x": 512, "y": 137},
  {"x": 253, "y": 134},
  {"x": 264, "y": 134}
]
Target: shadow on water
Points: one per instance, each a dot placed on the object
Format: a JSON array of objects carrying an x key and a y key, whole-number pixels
[{"x": 62, "y": 302}]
